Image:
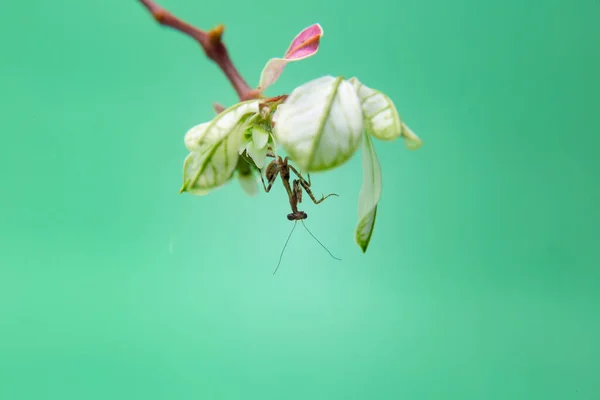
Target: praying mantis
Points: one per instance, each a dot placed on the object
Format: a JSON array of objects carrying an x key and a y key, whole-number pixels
[{"x": 282, "y": 168}]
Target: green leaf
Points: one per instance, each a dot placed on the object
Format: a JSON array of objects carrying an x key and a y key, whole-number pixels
[
  {"x": 216, "y": 153},
  {"x": 369, "y": 194},
  {"x": 381, "y": 117},
  {"x": 320, "y": 124}
]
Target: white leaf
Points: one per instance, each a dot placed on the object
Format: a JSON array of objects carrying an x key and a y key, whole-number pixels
[
  {"x": 223, "y": 123},
  {"x": 380, "y": 115},
  {"x": 255, "y": 142},
  {"x": 320, "y": 124},
  {"x": 369, "y": 194},
  {"x": 194, "y": 136},
  {"x": 258, "y": 155},
  {"x": 205, "y": 171},
  {"x": 193, "y": 163},
  {"x": 260, "y": 136},
  {"x": 216, "y": 153}
]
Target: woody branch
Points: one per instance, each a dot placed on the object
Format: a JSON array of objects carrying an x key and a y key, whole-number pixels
[{"x": 211, "y": 43}]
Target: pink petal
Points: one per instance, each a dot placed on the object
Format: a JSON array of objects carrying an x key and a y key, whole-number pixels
[{"x": 304, "y": 45}]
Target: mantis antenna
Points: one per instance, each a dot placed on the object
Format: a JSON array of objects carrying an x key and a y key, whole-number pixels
[
  {"x": 311, "y": 234},
  {"x": 284, "y": 246},
  {"x": 322, "y": 245}
]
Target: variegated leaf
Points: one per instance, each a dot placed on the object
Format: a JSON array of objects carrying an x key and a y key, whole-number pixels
[
  {"x": 205, "y": 171},
  {"x": 203, "y": 136},
  {"x": 194, "y": 136},
  {"x": 215, "y": 149},
  {"x": 380, "y": 115},
  {"x": 320, "y": 123},
  {"x": 369, "y": 194}
]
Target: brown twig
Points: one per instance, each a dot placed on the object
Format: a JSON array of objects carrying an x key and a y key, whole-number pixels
[{"x": 211, "y": 44}]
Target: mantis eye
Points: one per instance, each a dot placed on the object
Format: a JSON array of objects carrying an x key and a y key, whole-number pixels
[{"x": 291, "y": 217}]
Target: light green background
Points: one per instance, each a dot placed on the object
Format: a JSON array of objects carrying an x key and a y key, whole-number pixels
[{"x": 482, "y": 277}]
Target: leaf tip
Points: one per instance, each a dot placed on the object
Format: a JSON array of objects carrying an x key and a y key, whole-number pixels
[
  {"x": 184, "y": 187},
  {"x": 362, "y": 236},
  {"x": 363, "y": 247},
  {"x": 411, "y": 141}
]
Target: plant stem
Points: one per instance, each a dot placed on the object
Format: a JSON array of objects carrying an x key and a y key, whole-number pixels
[{"x": 211, "y": 44}]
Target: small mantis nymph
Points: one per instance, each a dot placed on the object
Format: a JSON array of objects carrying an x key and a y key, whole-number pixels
[{"x": 280, "y": 166}]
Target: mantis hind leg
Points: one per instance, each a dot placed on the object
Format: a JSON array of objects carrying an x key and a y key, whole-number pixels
[{"x": 306, "y": 185}]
